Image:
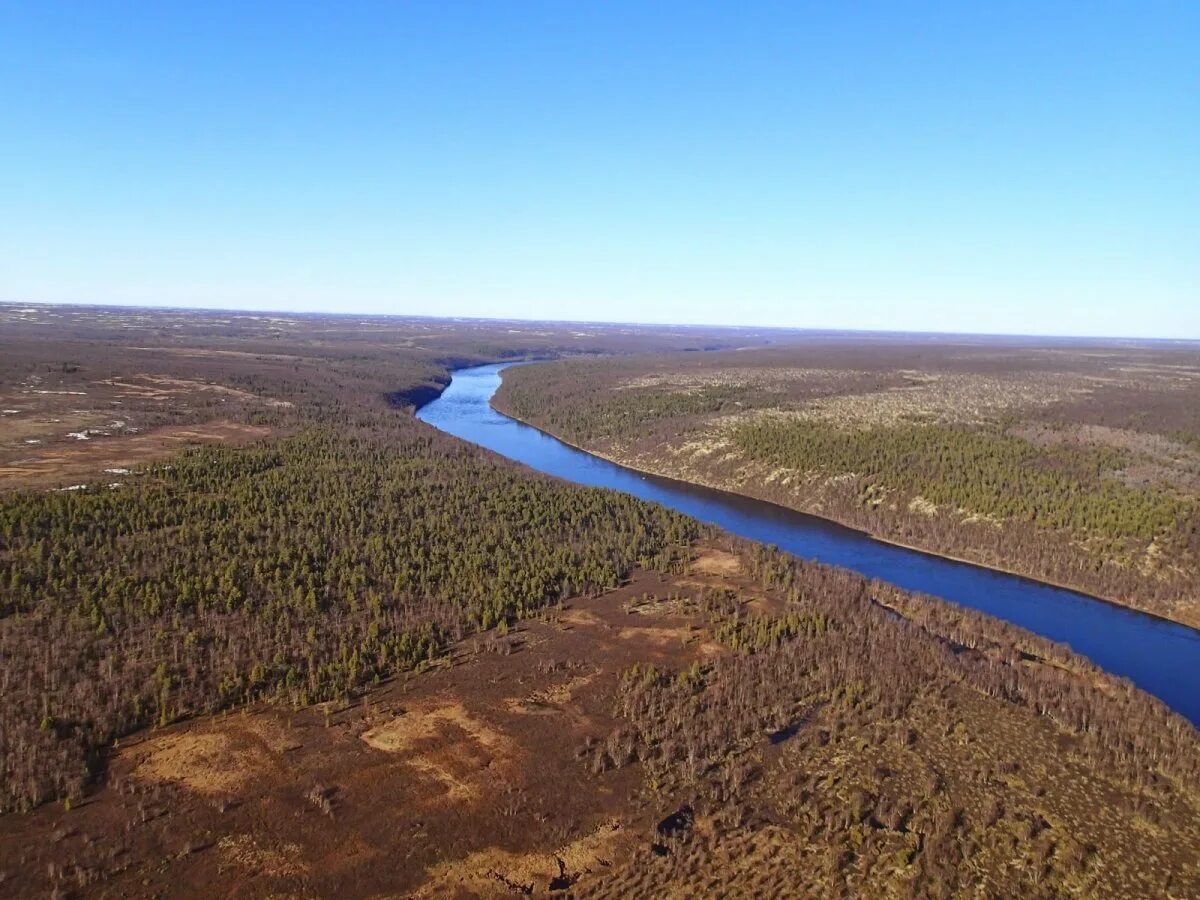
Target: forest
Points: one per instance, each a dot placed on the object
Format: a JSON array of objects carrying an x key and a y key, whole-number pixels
[
  {"x": 304, "y": 568},
  {"x": 263, "y": 665},
  {"x": 304, "y": 571},
  {"x": 985, "y": 471}
]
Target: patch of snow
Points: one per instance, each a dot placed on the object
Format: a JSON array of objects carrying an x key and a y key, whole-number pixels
[
  {"x": 116, "y": 471},
  {"x": 33, "y": 440},
  {"x": 88, "y": 433},
  {"x": 74, "y": 487}
]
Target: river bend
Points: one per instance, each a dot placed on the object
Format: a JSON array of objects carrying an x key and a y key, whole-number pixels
[{"x": 1161, "y": 657}]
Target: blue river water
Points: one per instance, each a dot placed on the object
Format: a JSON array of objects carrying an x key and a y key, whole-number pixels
[{"x": 1160, "y": 657}]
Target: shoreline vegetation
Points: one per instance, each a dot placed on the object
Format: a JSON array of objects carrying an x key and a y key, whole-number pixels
[
  {"x": 643, "y": 469},
  {"x": 700, "y": 422}
]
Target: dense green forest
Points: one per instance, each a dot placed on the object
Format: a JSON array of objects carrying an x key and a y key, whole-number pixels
[
  {"x": 980, "y": 470},
  {"x": 304, "y": 569}
]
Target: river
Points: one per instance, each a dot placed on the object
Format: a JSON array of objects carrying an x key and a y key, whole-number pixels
[{"x": 1160, "y": 657}]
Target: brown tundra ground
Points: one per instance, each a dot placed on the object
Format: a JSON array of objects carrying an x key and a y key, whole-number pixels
[{"x": 512, "y": 765}]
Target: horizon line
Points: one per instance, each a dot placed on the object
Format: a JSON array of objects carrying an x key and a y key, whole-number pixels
[{"x": 74, "y": 304}]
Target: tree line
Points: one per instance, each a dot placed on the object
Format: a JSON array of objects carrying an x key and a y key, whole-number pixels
[{"x": 982, "y": 470}]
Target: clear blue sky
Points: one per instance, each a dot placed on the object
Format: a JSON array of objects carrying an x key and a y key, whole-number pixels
[{"x": 1012, "y": 167}]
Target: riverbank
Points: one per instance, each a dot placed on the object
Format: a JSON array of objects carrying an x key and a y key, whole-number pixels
[
  {"x": 1032, "y": 576},
  {"x": 1155, "y": 654}
]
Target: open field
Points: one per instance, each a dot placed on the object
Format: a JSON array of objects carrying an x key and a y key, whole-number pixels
[
  {"x": 84, "y": 390},
  {"x": 314, "y": 647},
  {"x": 1073, "y": 463},
  {"x": 64, "y": 423}
]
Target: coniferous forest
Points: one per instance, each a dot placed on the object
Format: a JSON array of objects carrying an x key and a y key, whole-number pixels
[
  {"x": 260, "y": 628},
  {"x": 357, "y": 544},
  {"x": 301, "y": 571}
]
